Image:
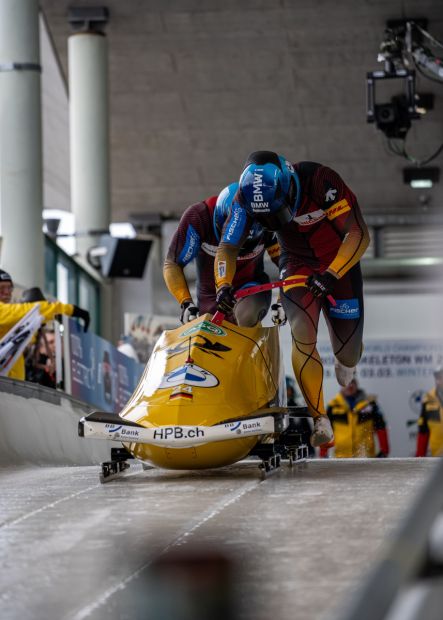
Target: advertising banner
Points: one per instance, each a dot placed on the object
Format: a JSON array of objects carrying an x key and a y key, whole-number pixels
[
  {"x": 144, "y": 331},
  {"x": 96, "y": 372},
  {"x": 398, "y": 373}
]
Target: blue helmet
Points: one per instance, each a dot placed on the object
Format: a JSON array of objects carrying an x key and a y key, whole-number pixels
[
  {"x": 221, "y": 212},
  {"x": 269, "y": 189}
]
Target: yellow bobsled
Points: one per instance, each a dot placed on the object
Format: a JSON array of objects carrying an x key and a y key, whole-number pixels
[{"x": 210, "y": 394}]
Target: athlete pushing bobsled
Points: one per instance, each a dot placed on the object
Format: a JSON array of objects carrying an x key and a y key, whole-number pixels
[
  {"x": 213, "y": 390},
  {"x": 197, "y": 238},
  {"x": 322, "y": 236}
]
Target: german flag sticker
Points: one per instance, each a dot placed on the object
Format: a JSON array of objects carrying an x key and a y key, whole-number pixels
[{"x": 183, "y": 392}]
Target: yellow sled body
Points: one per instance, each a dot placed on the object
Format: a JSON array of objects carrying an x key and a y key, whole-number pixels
[{"x": 201, "y": 375}]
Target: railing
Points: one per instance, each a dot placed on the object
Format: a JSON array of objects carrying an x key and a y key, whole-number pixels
[{"x": 407, "y": 582}]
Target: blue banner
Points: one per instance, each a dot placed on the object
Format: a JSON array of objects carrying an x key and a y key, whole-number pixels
[{"x": 99, "y": 374}]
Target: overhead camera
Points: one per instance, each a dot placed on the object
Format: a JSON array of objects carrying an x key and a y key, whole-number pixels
[
  {"x": 394, "y": 117},
  {"x": 399, "y": 52}
]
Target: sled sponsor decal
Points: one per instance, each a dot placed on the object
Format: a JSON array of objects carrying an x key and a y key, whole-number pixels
[
  {"x": 233, "y": 427},
  {"x": 113, "y": 428},
  {"x": 199, "y": 342},
  {"x": 121, "y": 432},
  {"x": 251, "y": 427},
  {"x": 178, "y": 432},
  {"x": 345, "y": 309},
  {"x": 204, "y": 326},
  {"x": 189, "y": 374}
]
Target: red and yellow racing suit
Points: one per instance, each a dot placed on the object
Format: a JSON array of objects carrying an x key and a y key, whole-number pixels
[
  {"x": 327, "y": 232},
  {"x": 195, "y": 238}
]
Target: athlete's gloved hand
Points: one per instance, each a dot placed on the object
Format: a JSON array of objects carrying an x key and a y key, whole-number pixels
[
  {"x": 321, "y": 284},
  {"x": 79, "y": 313},
  {"x": 189, "y": 312},
  {"x": 278, "y": 315},
  {"x": 225, "y": 299}
]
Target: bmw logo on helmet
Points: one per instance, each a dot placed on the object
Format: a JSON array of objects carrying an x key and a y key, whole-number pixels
[{"x": 269, "y": 189}]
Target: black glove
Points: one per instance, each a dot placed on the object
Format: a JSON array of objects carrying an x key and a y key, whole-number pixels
[
  {"x": 321, "y": 284},
  {"x": 79, "y": 313},
  {"x": 189, "y": 312},
  {"x": 225, "y": 299},
  {"x": 278, "y": 315}
]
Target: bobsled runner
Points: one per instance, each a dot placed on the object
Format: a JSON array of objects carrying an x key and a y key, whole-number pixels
[{"x": 211, "y": 394}]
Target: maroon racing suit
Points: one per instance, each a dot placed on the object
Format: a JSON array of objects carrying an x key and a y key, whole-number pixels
[
  {"x": 196, "y": 238},
  {"x": 327, "y": 232}
]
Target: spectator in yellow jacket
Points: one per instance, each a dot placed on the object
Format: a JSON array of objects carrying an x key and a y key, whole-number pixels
[
  {"x": 10, "y": 314},
  {"x": 430, "y": 423},
  {"x": 356, "y": 418}
]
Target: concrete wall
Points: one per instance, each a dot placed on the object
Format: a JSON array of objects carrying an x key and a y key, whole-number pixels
[{"x": 39, "y": 426}]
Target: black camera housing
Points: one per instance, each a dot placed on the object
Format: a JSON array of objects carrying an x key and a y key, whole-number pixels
[{"x": 393, "y": 118}]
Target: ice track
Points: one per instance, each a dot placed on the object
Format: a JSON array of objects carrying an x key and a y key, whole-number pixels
[{"x": 74, "y": 549}]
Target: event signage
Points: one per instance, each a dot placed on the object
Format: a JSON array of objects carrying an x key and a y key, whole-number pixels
[
  {"x": 399, "y": 373},
  {"x": 98, "y": 373}
]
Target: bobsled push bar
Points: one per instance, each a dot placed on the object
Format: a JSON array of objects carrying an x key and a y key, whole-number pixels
[
  {"x": 100, "y": 425},
  {"x": 218, "y": 317}
]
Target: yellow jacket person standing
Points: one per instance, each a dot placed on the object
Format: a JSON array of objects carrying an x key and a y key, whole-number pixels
[
  {"x": 10, "y": 314},
  {"x": 430, "y": 423},
  {"x": 356, "y": 418}
]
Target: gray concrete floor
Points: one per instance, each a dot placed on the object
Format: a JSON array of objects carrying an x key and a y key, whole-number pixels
[{"x": 71, "y": 548}]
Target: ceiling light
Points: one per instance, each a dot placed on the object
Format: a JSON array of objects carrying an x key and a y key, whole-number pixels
[
  {"x": 421, "y": 178},
  {"x": 123, "y": 230}
]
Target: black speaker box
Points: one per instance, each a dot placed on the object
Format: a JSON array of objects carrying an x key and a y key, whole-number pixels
[{"x": 125, "y": 258}]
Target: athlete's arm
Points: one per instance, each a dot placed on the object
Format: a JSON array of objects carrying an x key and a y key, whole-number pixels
[
  {"x": 234, "y": 233},
  {"x": 183, "y": 248},
  {"x": 344, "y": 215},
  {"x": 354, "y": 244},
  {"x": 10, "y": 314},
  {"x": 272, "y": 247}
]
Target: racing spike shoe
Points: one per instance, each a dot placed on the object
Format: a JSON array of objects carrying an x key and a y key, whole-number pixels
[
  {"x": 322, "y": 431},
  {"x": 344, "y": 374}
]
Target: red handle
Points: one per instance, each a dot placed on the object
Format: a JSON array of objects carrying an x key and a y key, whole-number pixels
[
  {"x": 218, "y": 318},
  {"x": 260, "y": 288}
]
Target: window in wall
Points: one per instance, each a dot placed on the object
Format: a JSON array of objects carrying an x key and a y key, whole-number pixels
[{"x": 67, "y": 281}]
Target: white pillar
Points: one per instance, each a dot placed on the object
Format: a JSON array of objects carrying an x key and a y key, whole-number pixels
[
  {"x": 21, "y": 184},
  {"x": 89, "y": 134}
]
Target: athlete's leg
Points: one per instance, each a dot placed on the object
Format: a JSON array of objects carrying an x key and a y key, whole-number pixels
[
  {"x": 303, "y": 310},
  {"x": 345, "y": 323},
  {"x": 206, "y": 302},
  {"x": 252, "y": 309}
]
